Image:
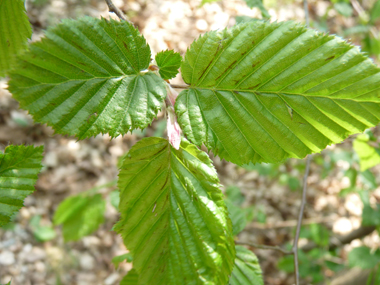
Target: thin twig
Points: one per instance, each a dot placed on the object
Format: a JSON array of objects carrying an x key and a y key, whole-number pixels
[
  {"x": 338, "y": 241},
  {"x": 262, "y": 246},
  {"x": 306, "y": 9},
  {"x": 300, "y": 216},
  {"x": 179, "y": 86},
  {"x": 112, "y": 8},
  {"x": 291, "y": 223}
]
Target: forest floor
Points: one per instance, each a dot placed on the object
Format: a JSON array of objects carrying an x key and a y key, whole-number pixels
[{"x": 71, "y": 166}]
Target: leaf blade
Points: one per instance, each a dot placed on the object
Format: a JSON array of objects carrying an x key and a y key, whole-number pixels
[
  {"x": 80, "y": 215},
  {"x": 181, "y": 232},
  {"x": 369, "y": 156},
  {"x": 263, "y": 92},
  {"x": 88, "y": 76},
  {"x": 168, "y": 63},
  {"x": 247, "y": 269},
  {"x": 15, "y": 30},
  {"x": 19, "y": 168}
]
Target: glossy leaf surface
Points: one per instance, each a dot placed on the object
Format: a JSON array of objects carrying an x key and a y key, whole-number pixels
[
  {"x": 168, "y": 63},
  {"x": 89, "y": 76},
  {"x": 263, "y": 92},
  {"x": 173, "y": 217},
  {"x": 247, "y": 269},
  {"x": 19, "y": 167}
]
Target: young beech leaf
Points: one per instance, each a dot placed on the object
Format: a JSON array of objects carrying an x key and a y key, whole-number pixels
[
  {"x": 80, "y": 215},
  {"x": 173, "y": 217},
  {"x": 369, "y": 156},
  {"x": 88, "y": 76},
  {"x": 237, "y": 216},
  {"x": 19, "y": 167},
  {"x": 247, "y": 269},
  {"x": 244, "y": 79},
  {"x": 15, "y": 30},
  {"x": 168, "y": 63}
]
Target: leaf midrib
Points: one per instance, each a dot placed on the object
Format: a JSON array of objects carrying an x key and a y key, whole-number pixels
[{"x": 278, "y": 93}]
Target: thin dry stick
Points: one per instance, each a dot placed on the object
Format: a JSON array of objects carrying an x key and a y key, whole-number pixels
[
  {"x": 262, "y": 246},
  {"x": 300, "y": 216},
  {"x": 112, "y": 8}
]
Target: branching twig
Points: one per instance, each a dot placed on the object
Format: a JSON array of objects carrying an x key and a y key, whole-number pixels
[
  {"x": 117, "y": 11},
  {"x": 291, "y": 223},
  {"x": 261, "y": 246},
  {"x": 179, "y": 86},
  {"x": 341, "y": 240},
  {"x": 300, "y": 216}
]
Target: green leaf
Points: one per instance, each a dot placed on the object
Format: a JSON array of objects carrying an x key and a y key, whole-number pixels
[
  {"x": 237, "y": 216},
  {"x": 115, "y": 199},
  {"x": 344, "y": 9},
  {"x": 44, "y": 233},
  {"x": 173, "y": 217},
  {"x": 258, "y": 4},
  {"x": 80, "y": 215},
  {"x": 19, "y": 168},
  {"x": 368, "y": 179},
  {"x": 168, "y": 63},
  {"x": 15, "y": 30},
  {"x": 263, "y": 92},
  {"x": 120, "y": 258},
  {"x": 370, "y": 216},
  {"x": 375, "y": 12},
  {"x": 247, "y": 269},
  {"x": 363, "y": 258},
  {"x": 41, "y": 233},
  {"x": 369, "y": 156},
  {"x": 233, "y": 193},
  {"x": 131, "y": 278},
  {"x": 87, "y": 77}
]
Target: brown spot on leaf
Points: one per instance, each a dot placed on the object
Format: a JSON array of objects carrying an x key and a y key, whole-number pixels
[
  {"x": 78, "y": 46},
  {"x": 253, "y": 65},
  {"x": 330, "y": 58},
  {"x": 231, "y": 65},
  {"x": 126, "y": 46},
  {"x": 205, "y": 69},
  {"x": 253, "y": 87}
]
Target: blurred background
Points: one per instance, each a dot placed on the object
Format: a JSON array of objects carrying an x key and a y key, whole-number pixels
[{"x": 343, "y": 197}]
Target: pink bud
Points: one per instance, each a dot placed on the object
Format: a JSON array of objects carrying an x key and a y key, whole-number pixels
[{"x": 174, "y": 131}]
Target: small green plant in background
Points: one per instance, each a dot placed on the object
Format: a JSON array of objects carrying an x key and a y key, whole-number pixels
[{"x": 257, "y": 92}]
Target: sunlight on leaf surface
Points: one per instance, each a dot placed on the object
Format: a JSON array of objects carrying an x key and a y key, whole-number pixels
[{"x": 173, "y": 217}]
